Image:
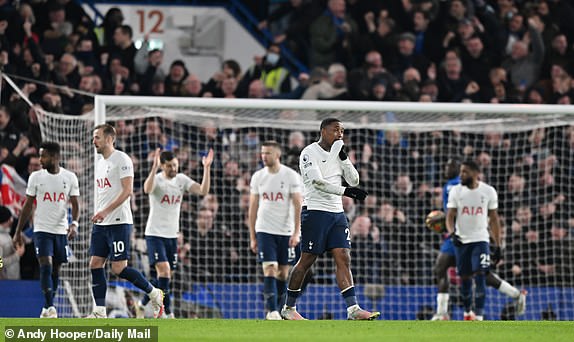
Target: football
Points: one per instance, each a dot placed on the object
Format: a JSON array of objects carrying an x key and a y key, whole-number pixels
[{"x": 436, "y": 221}]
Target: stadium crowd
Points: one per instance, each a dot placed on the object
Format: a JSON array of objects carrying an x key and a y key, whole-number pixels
[{"x": 504, "y": 51}]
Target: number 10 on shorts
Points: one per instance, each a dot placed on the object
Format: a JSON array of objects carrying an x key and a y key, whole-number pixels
[{"x": 119, "y": 247}]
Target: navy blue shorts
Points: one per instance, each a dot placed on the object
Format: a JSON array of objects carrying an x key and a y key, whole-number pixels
[
  {"x": 111, "y": 242},
  {"x": 472, "y": 257},
  {"x": 322, "y": 231},
  {"x": 447, "y": 247},
  {"x": 161, "y": 249},
  {"x": 272, "y": 247},
  {"x": 54, "y": 245}
]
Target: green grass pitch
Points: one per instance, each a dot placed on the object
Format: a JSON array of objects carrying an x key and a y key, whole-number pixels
[{"x": 316, "y": 331}]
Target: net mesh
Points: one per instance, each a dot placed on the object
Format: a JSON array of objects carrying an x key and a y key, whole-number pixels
[{"x": 400, "y": 157}]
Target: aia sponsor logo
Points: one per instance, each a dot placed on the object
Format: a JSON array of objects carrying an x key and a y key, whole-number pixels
[{"x": 103, "y": 183}]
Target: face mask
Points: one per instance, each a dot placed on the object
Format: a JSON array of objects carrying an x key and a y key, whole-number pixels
[{"x": 272, "y": 58}]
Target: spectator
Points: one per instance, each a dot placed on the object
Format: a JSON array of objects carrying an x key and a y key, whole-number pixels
[
  {"x": 429, "y": 90},
  {"x": 57, "y": 30},
  {"x": 410, "y": 89},
  {"x": 154, "y": 137},
  {"x": 174, "y": 80},
  {"x": 300, "y": 14},
  {"x": 87, "y": 58},
  {"x": 67, "y": 71},
  {"x": 229, "y": 87},
  {"x": 426, "y": 36},
  {"x": 522, "y": 66},
  {"x": 106, "y": 31},
  {"x": 406, "y": 57},
  {"x": 392, "y": 150},
  {"x": 404, "y": 198},
  {"x": 534, "y": 95},
  {"x": 9, "y": 135},
  {"x": 477, "y": 63},
  {"x": 454, "y": 86},
  {"x": 368, "y": 251},
  {"x": 270, "y": 70},
  {"x": 395, "y": 233},
  {"x": 209, "y": 249},
  {"x": 10, "y": 254},
  {"x": 147, "y": 64},
  {"x": 333, "y": 36},
  {"x": 382, "y": 36},
  {"x": 361, "y": 79},
  {"x": 515, "y": 195},
  {"x": 229, "y": 68},
  {"x": 256, "y": 90},
  {"x": 334, "y": 86},
  {"x": 192, "y": 86},
  {"x": 124, "y": 47},
  {"x": 120, "y": 79},
  {"x": 378, "y": 91}
]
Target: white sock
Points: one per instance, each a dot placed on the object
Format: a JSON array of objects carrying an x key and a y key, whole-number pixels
[
  {"x": 353, "y": 308},
  {"x": 442, "y": 303},
  {"x": 100, "y": 309},
  {"x": 509, "y": 290}
]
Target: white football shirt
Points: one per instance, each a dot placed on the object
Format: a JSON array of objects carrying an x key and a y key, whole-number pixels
[
  {"x": 315, "y": 157},
  {"x": 165, "y": 205},
  {"x": 275, "y": 211},
  {"x": 472, "y": 207},
  {"x": 52, "y": 193},
  {"x": 109, "y": 173}
]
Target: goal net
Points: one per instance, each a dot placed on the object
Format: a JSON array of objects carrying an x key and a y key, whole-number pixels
[{"x": 399, "y": 149}]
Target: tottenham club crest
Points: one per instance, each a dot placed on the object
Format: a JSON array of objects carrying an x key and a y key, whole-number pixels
[{"x": 306, "y": 161}]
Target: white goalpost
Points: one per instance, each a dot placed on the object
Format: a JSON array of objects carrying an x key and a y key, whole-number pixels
[{"x": 399, "y": 149}]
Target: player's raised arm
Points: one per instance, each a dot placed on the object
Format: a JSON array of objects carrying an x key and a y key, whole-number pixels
[
  {"x": 203, "y": 188},
  {"x": 149, "y": 182},
  {"x": 25, "y": 214}
]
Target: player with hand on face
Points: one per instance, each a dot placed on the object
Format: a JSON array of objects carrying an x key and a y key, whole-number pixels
[
  {"x": 324, "y": 226},
  {"x": 274, "y": 223},
  {"x": 52, "y": 189},
  {"x": 473, "y": 204}
]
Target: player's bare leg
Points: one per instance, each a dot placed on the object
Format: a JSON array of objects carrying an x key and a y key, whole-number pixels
[
  {"x": 494, "y": 280},
  {"x": 441, "y": 266},
  {"x": 344, "y": 277},
  {"x": 289, "y": 311}
]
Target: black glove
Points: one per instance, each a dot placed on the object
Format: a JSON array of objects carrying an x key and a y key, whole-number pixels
[
  {"x": 343, "y": 153},
  {"x": 495, "y": 254},
  {"x": 456, "y": 240},
  {"x": 355, "y": 193}
]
